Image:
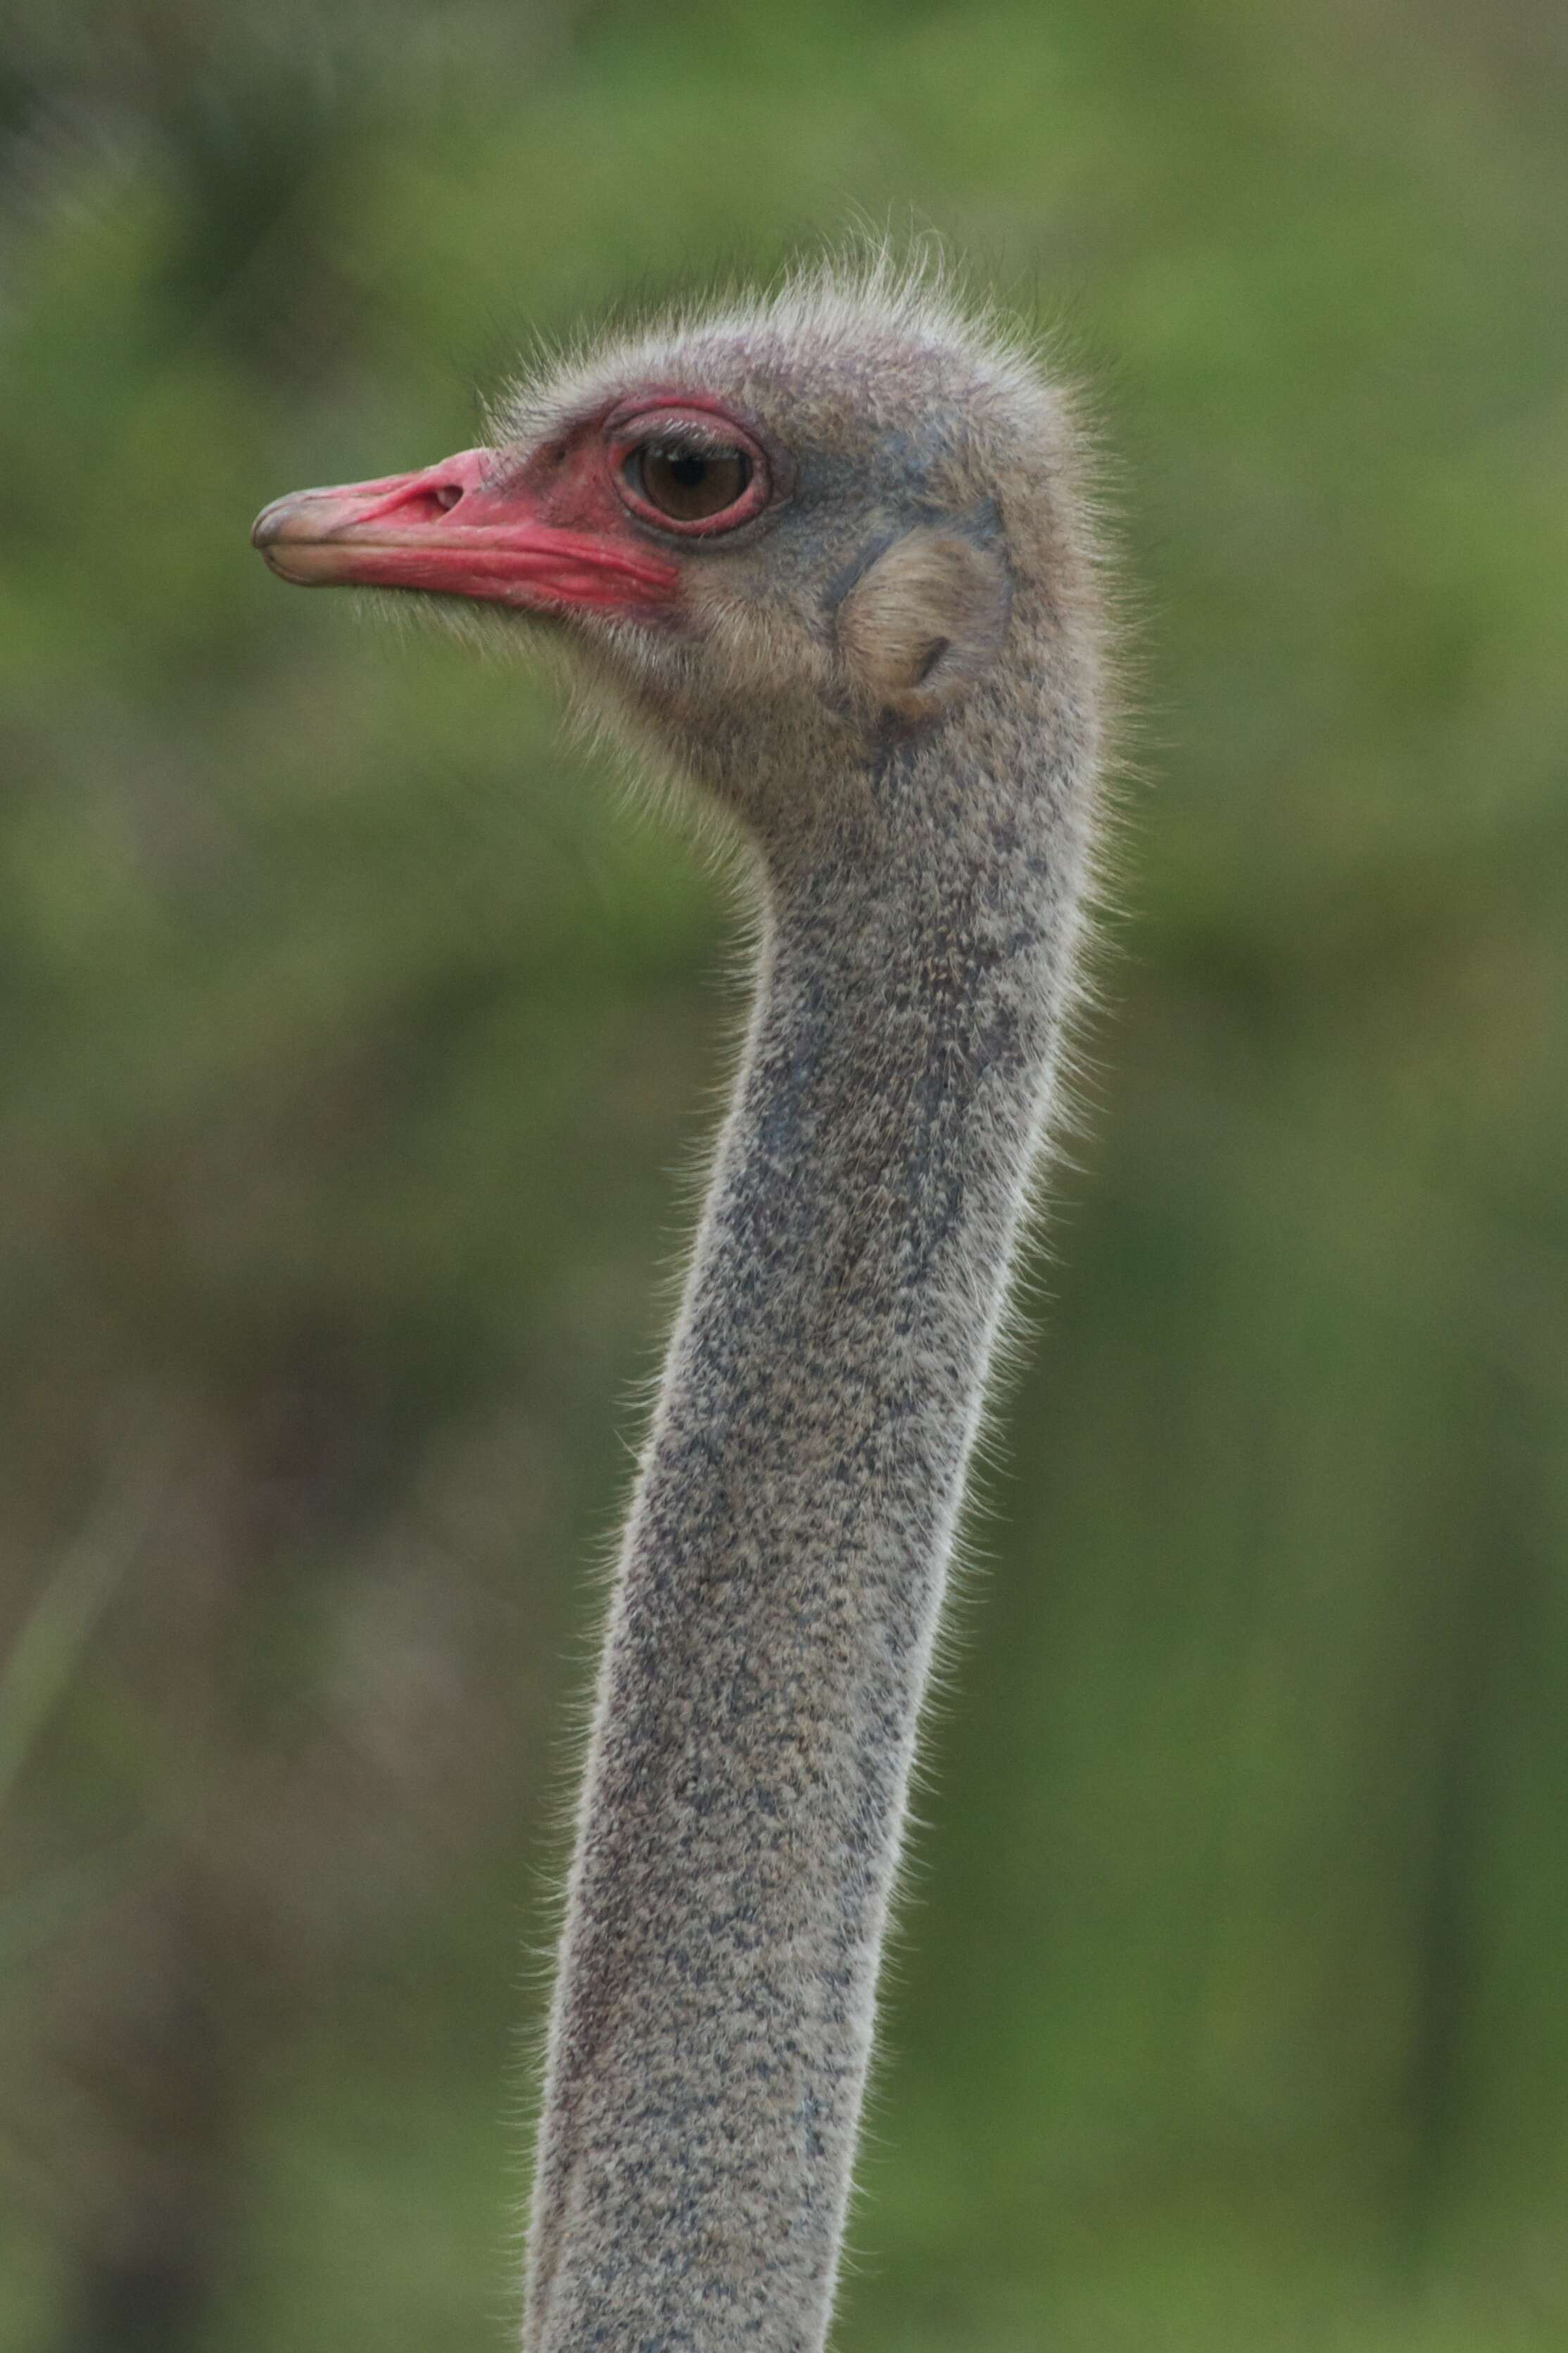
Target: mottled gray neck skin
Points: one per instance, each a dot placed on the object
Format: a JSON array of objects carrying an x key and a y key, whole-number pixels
[{"x": 786, "y": 1557}]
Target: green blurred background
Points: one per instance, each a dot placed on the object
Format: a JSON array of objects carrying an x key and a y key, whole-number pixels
[{"x": 355, "y": 1034}]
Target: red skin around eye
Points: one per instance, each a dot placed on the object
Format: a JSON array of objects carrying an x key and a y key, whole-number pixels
[{"x": 560, "y": 534}]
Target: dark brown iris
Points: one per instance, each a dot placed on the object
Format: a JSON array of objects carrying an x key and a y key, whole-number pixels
[{"x": 686, "y": 484}]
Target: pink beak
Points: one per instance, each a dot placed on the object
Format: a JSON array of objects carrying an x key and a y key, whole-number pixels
[{"x": 452, "y": 530}]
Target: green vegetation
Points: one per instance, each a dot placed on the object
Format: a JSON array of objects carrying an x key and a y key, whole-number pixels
[{"x": 353, "y": 1030}]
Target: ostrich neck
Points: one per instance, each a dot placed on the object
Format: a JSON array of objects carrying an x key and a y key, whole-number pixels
[{"x": 780, "y": 1583}]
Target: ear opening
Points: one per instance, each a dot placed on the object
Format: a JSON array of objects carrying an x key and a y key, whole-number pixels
[{"x": 922, "y": 623}]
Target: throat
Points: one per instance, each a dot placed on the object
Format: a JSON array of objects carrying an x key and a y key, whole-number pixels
[{"x": 868, "y": 1178}]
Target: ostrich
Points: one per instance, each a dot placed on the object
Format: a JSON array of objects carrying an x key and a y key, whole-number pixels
[{"x": 828, "y": 553}]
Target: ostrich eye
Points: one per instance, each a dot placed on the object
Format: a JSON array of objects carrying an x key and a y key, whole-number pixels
[{"x": 686, "y": 484}]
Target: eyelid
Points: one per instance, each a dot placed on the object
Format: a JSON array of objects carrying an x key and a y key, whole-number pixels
[
  {"x": 715, "y": 428},
  {"x": 688, "y": 436}
]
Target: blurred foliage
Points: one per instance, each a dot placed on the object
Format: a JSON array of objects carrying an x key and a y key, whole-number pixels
[{"x": 354, "y": 1029}]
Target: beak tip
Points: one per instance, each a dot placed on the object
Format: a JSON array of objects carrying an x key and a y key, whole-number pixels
[{"x": 287, "y": 537}]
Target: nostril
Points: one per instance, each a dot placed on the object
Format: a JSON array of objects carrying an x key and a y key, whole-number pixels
[{"x": 421, "y": 502}]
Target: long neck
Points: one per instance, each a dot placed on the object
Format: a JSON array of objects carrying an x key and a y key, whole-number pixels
[{"x": 779, "y": 1589}]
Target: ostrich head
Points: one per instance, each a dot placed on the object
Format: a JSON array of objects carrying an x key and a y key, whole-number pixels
[{"x": 796, "y": 537}]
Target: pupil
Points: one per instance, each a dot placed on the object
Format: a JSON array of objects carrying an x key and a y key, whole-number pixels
[{"x": 688, "y": 470}]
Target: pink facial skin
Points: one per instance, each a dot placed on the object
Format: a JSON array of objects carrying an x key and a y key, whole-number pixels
[{"x": 564, "y": 533}]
